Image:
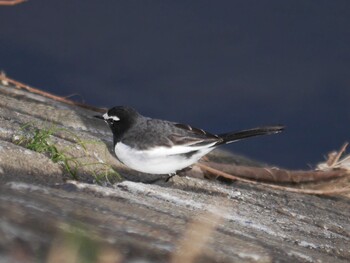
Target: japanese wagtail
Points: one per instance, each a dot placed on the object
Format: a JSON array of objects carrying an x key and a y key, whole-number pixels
[{"x": 162, "y": 147}]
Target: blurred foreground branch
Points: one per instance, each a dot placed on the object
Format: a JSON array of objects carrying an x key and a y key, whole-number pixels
[{"x": 11, "y": 2}]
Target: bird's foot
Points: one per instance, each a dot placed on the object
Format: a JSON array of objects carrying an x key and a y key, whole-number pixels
[
  {"x": 179, "y": 173},
  {"x": 170, "y": 176}
]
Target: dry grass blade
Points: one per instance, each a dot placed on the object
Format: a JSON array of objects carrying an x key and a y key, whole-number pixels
[
  {"x": 196, "y": 237},
  {"x": 333, "y": 159},
  {"x": 335, "y": 162}
]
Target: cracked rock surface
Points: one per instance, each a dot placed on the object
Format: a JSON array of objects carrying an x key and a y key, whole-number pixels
[{"x": 46, "y": 215}]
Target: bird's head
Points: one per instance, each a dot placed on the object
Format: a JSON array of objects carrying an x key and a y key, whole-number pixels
[{"x": 119, "y": 118}]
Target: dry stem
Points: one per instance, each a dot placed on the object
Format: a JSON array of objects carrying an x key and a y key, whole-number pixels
[
  {"x": 20, "y": 85},
  {"x": 278, "y": 187},
  {"x": 11, "y": 2}
]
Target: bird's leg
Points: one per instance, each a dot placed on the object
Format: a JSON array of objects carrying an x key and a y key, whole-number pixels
[
  {"x": 179, "y": 173},
  {"x": 183, "y": 171},
  {"x": 170, "y": 176}
]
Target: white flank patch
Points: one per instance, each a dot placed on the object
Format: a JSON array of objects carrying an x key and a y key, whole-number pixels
[
  {"x": 107, "y": 117},
  {"x": 161, "y": 160}
]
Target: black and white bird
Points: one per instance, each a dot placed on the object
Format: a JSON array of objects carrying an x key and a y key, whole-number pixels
[{"x": 162, "y": 147}]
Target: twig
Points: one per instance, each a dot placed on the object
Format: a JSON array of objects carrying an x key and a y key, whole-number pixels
[
  {"x": 21, "y": 85},
  {"x": 278, "y": 175},
  {"x": 11, "y": 2},
  {"x": 334, "y": 157},
  {"x": 278, "y": 187}
]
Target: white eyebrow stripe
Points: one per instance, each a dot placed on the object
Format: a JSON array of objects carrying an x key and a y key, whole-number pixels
[{"x": 107, "y": 117}]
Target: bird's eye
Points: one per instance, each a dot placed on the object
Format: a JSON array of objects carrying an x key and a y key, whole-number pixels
[{"x": 109, "y": 121}]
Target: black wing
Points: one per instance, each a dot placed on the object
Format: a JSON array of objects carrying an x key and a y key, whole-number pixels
[
  {"x": 191, "y": 136},
  {"x": 154, "y": 132}
]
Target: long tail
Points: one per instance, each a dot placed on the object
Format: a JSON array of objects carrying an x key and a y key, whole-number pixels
[{"x": 235, "y": 136}]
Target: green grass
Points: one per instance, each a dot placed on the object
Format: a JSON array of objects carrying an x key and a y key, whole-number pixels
[{"x": 40, "y": 140}]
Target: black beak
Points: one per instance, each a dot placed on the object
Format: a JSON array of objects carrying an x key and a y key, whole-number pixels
[{"x": 99, "y": 117}]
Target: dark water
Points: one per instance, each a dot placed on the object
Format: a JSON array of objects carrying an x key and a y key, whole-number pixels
[{"x": 218, "y": 65}]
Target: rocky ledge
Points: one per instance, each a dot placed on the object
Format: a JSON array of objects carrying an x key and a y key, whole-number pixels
[{"x": 63, "y": 199}]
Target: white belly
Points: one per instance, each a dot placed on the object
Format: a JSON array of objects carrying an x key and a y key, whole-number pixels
[{"x": 160, "y": 161}]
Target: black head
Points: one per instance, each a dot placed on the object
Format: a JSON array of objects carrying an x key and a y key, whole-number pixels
[{"x": 120, "y": 119}]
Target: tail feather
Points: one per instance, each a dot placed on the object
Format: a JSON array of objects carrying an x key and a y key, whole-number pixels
[{"x": 235, "y": 136}]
